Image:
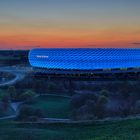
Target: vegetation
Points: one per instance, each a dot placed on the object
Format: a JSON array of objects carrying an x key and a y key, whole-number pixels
[
  {"x": 9, "y": 95},
  {"x": 11, "y": 92},
  {"x": 5, "y": 113},
  {"x": 27, "y": 113},
  {"x": 6, "y": 76},
  {"x": 27, "y": 96},
  {"x": 89, "y": 106},
  {"x": 5, "y": 107},
  {"x": 104, "y": 93},
  {"x": 122, "y": 130},
  {"x": 2, "y": 93},
  {"x": 13, "y": 57}
]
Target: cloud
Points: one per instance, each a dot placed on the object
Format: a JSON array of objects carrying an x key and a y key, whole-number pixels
[{"x": 136, "y": 43}]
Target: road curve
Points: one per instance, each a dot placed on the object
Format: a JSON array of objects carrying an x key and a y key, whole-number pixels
[{"x": 19, "y": 72}]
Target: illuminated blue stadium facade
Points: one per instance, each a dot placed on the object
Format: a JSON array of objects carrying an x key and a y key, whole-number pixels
[{"x": 84, "y": 59}]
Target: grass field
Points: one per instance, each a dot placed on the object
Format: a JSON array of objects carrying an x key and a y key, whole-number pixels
[
  {"x": 123, "y": 130},
  {"x": 53, "y": 106},
  {"x": 59, "y": 107}
]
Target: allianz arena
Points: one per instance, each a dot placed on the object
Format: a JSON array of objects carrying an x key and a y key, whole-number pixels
[{"x": 85, "y": 59}]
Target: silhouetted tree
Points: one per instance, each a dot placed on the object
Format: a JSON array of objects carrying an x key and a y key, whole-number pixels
[
  {"x": 5, "y": 102},
  {"x": 104, "y": 93},
  {"x": 28, "y": 95},
  {"x": 12, "y": 92},
  {"x": 100, "y": 106}
]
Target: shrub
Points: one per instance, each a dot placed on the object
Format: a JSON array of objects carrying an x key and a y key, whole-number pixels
[
  {"x": 25, "y": 112},
  {"x": 90, "y": 106},
  {"x": 102, "y": 100},
  {"x": 104, "y": 93},
  {"x": 80, "y": 99},
  {"x": 136, "y": 108},
  {"x": 51, "y": 86},
  {"x": 28, "y": 113},
  {"x": 5, "y": 102},
  {"x": 85, "y": 112},
  {"x": 100, "y": 106},
  {"x": 11, "y": 91},
  {"x": 126, "y": 90},
  {"x": 28, "y": 95},
  {"x": 39, "y": 113}
]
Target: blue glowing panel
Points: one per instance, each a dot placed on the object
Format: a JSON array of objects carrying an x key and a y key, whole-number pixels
[{"x": 84, "y": 59}]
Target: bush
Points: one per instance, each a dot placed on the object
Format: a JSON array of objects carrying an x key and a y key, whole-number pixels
[
  {"x": 28, "y": 95},
  {"x": 5, "y": 102},
  {"x": 28, "y": 113},
  {"x": 11, "y": 91},
  {"x": 85, "y": 112},
  {"x": 102, "y": 100},
  {"x": 126, "y": 90},
  {"x": 82, "y": 113},
  {"x": 51, "y": 86},
  {"x": 1, "y": 108},
  {"x": 90, "y": 106},
  {"x": 79, "y": 100},
  {"x": 100, "y": 106},
  {"x": 136, "y": 108},
  {"x": 104, "y": 93},
  {"x": 25, "y": 112},
  {"x": 39, "y": 113}
]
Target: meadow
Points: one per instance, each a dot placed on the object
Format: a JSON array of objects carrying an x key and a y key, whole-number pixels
[{"x": 53, "y": 106}]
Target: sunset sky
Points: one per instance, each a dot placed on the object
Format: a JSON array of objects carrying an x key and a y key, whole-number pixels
[{"x": 26, "y": 24}]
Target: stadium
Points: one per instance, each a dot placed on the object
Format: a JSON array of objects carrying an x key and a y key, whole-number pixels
[{"x": 85, "y": 62}]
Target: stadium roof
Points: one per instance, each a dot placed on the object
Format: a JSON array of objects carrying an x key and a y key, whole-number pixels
[{"x": 84, "y": 59}]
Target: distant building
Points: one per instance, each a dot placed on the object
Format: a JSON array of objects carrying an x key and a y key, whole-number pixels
[{"x": 85, "y": 59}]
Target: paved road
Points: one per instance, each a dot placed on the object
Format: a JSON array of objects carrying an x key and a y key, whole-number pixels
[
  {"x": 19, "y": 72},
  {"x": 15, "y": 106},
  {"x": 56, "y": 120},
  {"x": 8, "y": 117}
]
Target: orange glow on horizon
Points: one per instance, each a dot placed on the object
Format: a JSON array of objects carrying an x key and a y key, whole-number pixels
[
  {"x": 55, "y": 41},
  {"x": 27, "y": 24}
]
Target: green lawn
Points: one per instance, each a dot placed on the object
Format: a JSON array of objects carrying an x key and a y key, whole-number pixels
[
  {"x": 59, "y": 107},
  {"x": 53, "y": 106},
  {"x": 123, "y": 130}
]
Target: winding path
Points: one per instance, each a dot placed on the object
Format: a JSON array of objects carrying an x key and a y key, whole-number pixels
[
  {"x": 19, "y": 72},
  {"x": 15, "y": 107}
]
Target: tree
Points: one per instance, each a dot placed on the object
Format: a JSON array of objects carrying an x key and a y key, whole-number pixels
[
  {"x": 28, "y": 95},
  {"x": 25, "y": 112},
  {"x": 90, "y": 106},
  {"x": 80, "y": 99},
  {"x": 28, "y": 113},
  {"x": 102, "y": 100},
  {"x": 5, "y": 102},
  {"x": 100, "y": 106},
  {"x": 104, "y": 93},
  {"x": 39, "y": 113},
  {"x": 136, "y": 108},
  {"x": 51, "y": 86},
  {"x": 126, "y": 90},
  {"x": 12, "y": 92}
]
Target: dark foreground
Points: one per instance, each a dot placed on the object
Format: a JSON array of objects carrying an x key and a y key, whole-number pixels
[{"x": 122, "y": 130}]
